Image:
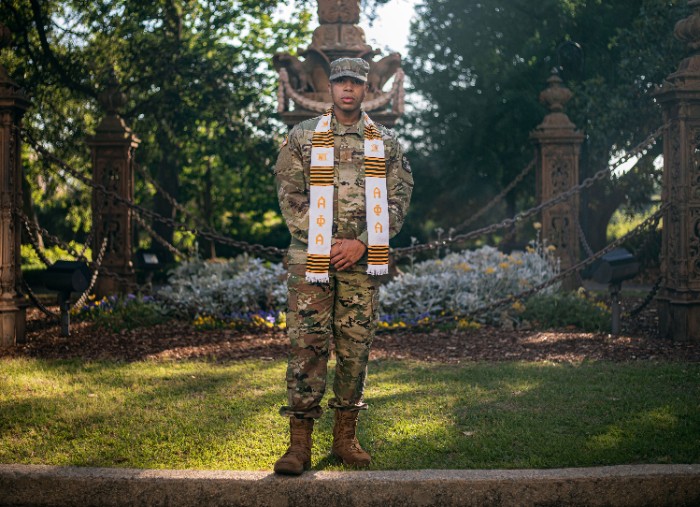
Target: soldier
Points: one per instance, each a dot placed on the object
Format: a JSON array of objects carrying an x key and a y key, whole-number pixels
[{"x": 344, "y": 187}]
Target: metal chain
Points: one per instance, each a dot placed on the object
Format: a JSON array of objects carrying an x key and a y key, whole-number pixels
[
  {"x": 648, "y": 299},
  {"x": 160, "y": 239},
  {"x": 173, "y": 202},
  {"x": 81, "y": 300},
  {"x": 498, "y": 198},
  {"x": 57, "y": 241},
  {"x": 33, "y": 297},
  {"x": 34, "y": 242},
  {"x": 652, "y": 222},
  {"x": 654, "y": 289},
  {"x": 87, "y": 242},
  {"x": 95, "y": 266},
  {"x": 263, "y": 251},
  {"x": 582, "y": 238},
  {"x": 46, "y": 234},
  {"x": 587, "y": 183},
  {"x": 397, "y": 252}
]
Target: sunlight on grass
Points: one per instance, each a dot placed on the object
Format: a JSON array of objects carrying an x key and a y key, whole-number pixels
[{"x": 201, "y": 415}]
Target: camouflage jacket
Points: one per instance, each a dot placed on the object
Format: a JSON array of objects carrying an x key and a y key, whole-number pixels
[{"x": 292, "y": 176}]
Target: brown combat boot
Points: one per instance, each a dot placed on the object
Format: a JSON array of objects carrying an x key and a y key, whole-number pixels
[
  {"x": 298, "y": 456},
  {"x": 345, "y": 443}
]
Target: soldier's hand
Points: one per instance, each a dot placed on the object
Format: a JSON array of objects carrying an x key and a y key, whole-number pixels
[{"x": 346, "y": 252}]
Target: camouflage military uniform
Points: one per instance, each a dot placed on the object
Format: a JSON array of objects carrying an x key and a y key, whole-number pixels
[{"x": 347, "y": 308}]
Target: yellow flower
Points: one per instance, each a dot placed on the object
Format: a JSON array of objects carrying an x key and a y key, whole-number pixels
[
  {"x": 518, "y": 307},
  {"x": 490, "y": 270},
  {"x": 537, "y": 225},
  {"x": 551, "y": 248},
  {"x": 518, "y": 262},
  {"x": 504, "y": 265},
  {"x": 468, "y": 324},
  {"x": 463, "y": 266}
]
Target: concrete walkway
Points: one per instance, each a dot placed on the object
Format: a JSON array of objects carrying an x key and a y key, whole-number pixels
[{"x": 639, "y": 485}]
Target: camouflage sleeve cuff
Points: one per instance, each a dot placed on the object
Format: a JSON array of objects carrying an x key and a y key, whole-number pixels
[{"x": 364, "y": 237}]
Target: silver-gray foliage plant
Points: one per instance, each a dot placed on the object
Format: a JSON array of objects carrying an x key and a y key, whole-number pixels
[
  {"x": 225, "y": 288},
  {"x": 455, "y": 285},
  {"x": 464, "y": 281}
]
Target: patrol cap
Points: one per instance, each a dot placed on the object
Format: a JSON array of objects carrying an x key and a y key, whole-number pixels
[{"x": 349, "y": 67}]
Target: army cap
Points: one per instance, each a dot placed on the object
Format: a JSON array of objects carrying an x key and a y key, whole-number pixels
[{"x": 349, "y": 67}]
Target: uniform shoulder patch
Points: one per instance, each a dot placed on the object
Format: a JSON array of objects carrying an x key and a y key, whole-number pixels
[
  {"x": 405, "y": 164},
  {"x": 387, "y": 133}
]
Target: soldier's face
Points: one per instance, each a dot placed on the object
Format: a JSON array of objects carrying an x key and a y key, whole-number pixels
[{"x": 348, "y": 93}]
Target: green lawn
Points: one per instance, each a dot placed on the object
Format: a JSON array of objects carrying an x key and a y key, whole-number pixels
[{"x": 224, "y": 416}]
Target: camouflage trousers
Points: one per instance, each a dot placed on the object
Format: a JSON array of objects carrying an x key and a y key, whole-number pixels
[{"x": 346, "y": 310}]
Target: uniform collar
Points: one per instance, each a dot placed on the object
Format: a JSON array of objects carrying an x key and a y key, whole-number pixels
[{"x": 358, "y": 128}]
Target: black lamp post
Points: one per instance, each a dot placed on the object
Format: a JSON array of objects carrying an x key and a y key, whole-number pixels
[{"x": 66, "y": 277}]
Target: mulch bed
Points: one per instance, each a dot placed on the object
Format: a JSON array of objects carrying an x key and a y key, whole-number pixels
[{"x": 180, "y": 340}]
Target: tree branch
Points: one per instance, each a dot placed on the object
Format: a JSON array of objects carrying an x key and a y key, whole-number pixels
[{"x": 51, "y": 57}]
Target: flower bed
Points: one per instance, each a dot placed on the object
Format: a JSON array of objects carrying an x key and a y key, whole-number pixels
[
  {"x": 250, "y": 292},
  {"x": 463, "y": 282}
]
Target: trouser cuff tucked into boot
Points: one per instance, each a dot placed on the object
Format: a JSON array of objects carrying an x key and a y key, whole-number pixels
[
  {"x": 298, "y": 455},
  {"x": 346, "y": 447}
]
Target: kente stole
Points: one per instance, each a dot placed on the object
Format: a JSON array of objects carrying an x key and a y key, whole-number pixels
[{"x": 322, "y": 190}]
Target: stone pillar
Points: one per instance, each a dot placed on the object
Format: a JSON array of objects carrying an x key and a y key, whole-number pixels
[
  {"x": 679, "y": 96},
  {"x": 113, "y": 147},
  {"x": 558, "y": 146},
  {"x": 304, "y": 83},
  {"x": 13, "y": 104}
]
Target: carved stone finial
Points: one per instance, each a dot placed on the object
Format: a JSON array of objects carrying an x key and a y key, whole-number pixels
[
  {"x": 112, "y": 99},
  {"x": 339, "y": 11},
  {"x": 688, "y": 30},
  {"x": 304, "y": 76},
  {"x": 556, "y": 95}
]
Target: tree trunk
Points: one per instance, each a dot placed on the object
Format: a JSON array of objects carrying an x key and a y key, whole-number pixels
[
  {"x": 209, "y": 247},
  {"x": 600, "y": 210},
  {"x": 28, "y": 208},
  {"x": 168, "y": 176}
]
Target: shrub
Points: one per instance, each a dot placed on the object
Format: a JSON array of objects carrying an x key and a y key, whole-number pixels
[
  {"x": 225, "y": 289},
  {"x": 465, "y": 281},
  {"x": 568, "y": 309},
  {"x": 117, "y": 313}
]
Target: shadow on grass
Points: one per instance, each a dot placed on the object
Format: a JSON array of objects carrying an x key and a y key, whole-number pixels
[
  {"x": 189, "y": 415},
  {"x": 478, "y": 415},
  {"x": 524, "y": 415}
]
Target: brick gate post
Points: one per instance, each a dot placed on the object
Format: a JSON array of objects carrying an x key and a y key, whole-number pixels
[
  {"x": 113, "y": 147},
  {"x": 558, "y": 145},
  {"x": 13, "y": 105},
  {"x": 679, "y": 96}
]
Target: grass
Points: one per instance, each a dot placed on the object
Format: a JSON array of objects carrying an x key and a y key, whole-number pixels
[{"x": 201, "y": 415}]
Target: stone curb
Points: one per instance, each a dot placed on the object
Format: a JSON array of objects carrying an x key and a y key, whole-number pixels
[{"x": 633, "y": 485}]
